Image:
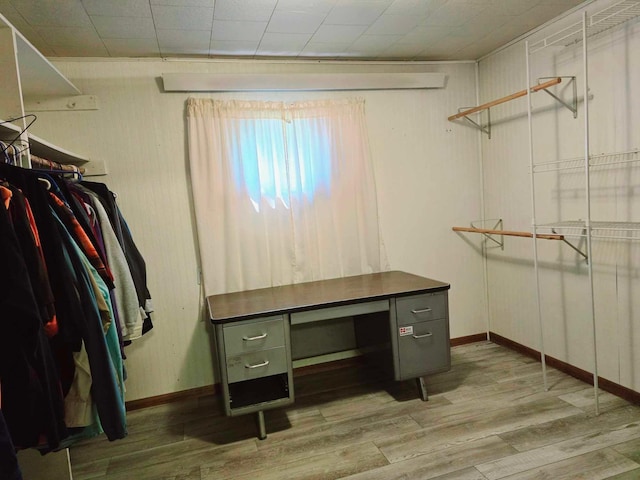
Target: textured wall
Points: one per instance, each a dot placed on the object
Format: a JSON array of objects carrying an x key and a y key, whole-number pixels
[
  {"x": 427, "y": 176},
  {"x": 614, "y": 81}
]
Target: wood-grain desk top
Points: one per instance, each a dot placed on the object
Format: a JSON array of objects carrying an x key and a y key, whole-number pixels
[{"x": 299, "y": 297}]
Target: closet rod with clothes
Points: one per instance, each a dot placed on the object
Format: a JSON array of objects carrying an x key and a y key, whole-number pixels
[{"x": 72, "y": 296}]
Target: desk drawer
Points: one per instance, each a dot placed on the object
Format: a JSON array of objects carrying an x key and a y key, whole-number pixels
[
  {"x": 257, "y": 335},
  {"x": 256, "y": 364},
  {"x": 424, "y": 349},
  {"x": 418, "y": 308}
]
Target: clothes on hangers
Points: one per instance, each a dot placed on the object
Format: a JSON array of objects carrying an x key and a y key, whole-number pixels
[
  {"x": 43, "y": 163},
  {"x": 9, "y": 468},
  {"x": 67, "y": 305},
  {"x": 135, "y": 260}
]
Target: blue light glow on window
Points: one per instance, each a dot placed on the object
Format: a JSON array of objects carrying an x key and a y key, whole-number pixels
[{"x": 276, "y": 160}]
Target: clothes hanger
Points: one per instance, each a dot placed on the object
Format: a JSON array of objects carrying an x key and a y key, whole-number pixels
[{"x": 32, "y": 117}]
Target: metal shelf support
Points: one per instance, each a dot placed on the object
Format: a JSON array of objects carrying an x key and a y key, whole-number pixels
[{"x": 573, "y": 106}]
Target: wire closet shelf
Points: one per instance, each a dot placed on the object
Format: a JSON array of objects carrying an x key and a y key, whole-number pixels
[{"x": 599, "y": 22}]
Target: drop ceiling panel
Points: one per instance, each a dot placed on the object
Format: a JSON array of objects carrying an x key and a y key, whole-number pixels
[
  {"x": 120, "y": 8},
  {"x": 184, "y": 3},
  {"x": 62, "y": 13},
  {"x": 182, "y": 18},
  {"x": 393, "y": 25},
  {"x": 356, "y": 13},
  {"x": 124, "y": 27},
  {"x": 338, "y": 33},
  {"x": 175, "y": 41},
  {"x": 132, "y": 47},
  {"x": 240, "y": 31},
  {"x": 294, "y": 22},
  {"x": 245, "y": 10},
  {"x": 283, "y": 44},
  {"x": 353, "y": 29},
  {"x": 306, "y": 6}
]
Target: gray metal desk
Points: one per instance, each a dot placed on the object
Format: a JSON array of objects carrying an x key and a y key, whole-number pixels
[{"x": 408, "y": 313}]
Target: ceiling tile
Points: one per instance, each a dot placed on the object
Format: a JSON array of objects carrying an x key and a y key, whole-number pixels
[
  {"x": 124, "y": 27},
  {"x": 371, "y": 44},
  {"x": 406, "y": 51},
  {"x": 60, "y": 13},
  {"x": 183, "y": 41},
  {"x": 132, "y": 47},
  {"x": 453, "y": 14},
  {"x": 244, "y": 10},
  {"x": 306, "y": 6},
  {"x": 182, "y": 18},
  {"x": 319, "y": 49},
  {"x": 425, "y": 34},
  {"x": 338, "y": 33},
  {"x": 416, "y": 8},
  {"x": 80, "y": 50},
  {"x": 13, "y": 16},
  {"x": 243, "y": 31},
  {"x": 356, "y": 13},
  {"x": 184, "y": 3},
  {"x": 512, "y": 7},
  {"x": 118, "y": 8},
  {"x": 235, "y": 48},
  {"x": 392, "y": 25},
  {"x": 294, "y": 22},
  {"x": 282, "y": 43},
  {"x": 69, "y": 35},
  {"x": 347, "y": 29},
  {"x": 485, "y": 22}
]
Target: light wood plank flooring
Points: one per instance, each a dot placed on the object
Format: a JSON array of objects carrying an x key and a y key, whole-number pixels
[{"x": 488, "y": 418}]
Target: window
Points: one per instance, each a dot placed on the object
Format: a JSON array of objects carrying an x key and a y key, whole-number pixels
[
  {"x": 277, "y": 160},
  {"x": 283, "y": 193}
]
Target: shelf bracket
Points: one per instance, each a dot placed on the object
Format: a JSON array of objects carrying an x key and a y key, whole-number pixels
[
  {"x": 573, "y": 106},
  {"x": 486, "y": 128},
  {"x": 580, "y": 252},
  {"x": 486, "y": 232}
]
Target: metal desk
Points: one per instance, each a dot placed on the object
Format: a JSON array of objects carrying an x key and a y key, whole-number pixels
[{"x": 253, "y": 329}]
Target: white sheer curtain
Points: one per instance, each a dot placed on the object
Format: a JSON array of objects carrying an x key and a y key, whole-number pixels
[{"x": 283, "y": 192}]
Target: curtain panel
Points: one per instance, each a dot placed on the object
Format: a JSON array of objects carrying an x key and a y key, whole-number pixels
[{"x": 283, "y": 192}]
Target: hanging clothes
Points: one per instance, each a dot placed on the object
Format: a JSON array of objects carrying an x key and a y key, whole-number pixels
[
  {"x": 9, "y": 468},
  {"x": 67, "y": 285},
  {"x": 32, "y": 401},
  {"x": 136, "y": 262}
]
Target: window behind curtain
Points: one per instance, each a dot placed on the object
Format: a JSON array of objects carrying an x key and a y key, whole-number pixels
[
  {"x": 277, "y": 159},
  {"x": 283, "y": 192}
]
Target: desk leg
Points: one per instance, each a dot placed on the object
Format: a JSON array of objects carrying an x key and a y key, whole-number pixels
[
  {"x": 422, "y": 389},
  {"x": 262, "y": 429}
]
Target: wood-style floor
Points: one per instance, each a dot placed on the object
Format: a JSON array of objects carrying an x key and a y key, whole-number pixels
[{"x": 488, "y": 418}]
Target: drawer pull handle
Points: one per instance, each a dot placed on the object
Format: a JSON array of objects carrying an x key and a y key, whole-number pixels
[
  {"x": 257, "y": 337},
  {"x": 423, "y": 336},
  {"x": 257, "y": 365},
  {"x": 422, "y": 310}
]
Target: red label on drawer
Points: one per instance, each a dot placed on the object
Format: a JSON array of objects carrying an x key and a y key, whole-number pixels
[{"x": 403, "y": 331}]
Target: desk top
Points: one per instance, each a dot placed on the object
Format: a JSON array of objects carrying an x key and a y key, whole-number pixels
[{"x": 230, "y": 307}]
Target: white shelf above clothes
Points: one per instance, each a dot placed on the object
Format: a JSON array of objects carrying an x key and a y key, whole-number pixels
[
  {"x": 28, "y": 77},
  {"x": 39, "y": 77}
]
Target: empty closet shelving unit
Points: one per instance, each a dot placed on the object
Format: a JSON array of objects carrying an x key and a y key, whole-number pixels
[{"x": 568, "y": 198}]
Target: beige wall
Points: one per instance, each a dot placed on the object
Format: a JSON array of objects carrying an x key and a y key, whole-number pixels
[{"x": 427, "y": 174}]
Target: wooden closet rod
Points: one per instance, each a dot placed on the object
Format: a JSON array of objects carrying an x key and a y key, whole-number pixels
[
  {"x": 508, "y": 98},
  {"x": 508, "y": 233}
]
